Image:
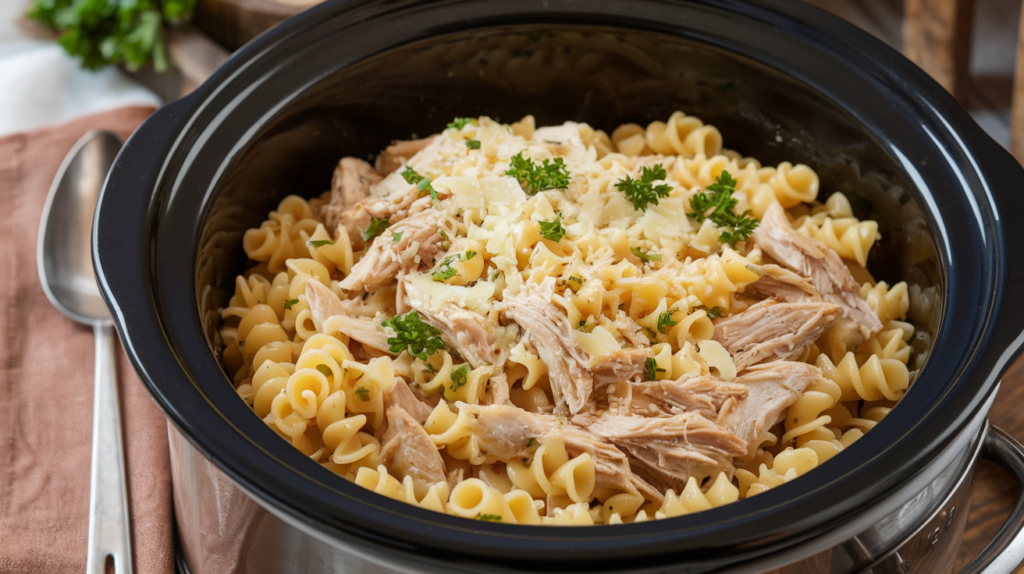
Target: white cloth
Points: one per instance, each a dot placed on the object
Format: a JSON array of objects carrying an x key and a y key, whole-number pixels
[{"x": 41, "y": 85}]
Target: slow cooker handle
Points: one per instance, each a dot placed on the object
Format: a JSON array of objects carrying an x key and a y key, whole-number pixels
[{"x": 1006, "y": 551}]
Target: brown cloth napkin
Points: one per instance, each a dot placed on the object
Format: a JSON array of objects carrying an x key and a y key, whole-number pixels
[{"x": 46, "y": 388}]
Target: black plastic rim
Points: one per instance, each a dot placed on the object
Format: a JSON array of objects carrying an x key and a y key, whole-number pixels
[{"x": 149, "y": 215}]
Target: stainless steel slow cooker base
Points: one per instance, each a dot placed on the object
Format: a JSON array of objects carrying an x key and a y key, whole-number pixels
[{"x": 918, "y": 529}]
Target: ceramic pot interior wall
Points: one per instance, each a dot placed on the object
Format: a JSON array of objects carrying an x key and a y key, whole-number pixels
[{"x": 604, "y": 77}]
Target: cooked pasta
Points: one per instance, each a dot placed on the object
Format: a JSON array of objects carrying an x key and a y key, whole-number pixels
[{"x": 554, "y": 325}]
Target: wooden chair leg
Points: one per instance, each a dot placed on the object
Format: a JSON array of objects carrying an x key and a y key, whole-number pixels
[
  {"x": 937, "y": 37},
  {"x": 1017, "y": 115}
]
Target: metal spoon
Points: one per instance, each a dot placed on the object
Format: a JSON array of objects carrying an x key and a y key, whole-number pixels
[{"x": 65, "y": 270}]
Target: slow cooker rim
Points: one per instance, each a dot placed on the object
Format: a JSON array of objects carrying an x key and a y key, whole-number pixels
[{"x": 194, "y": 103}]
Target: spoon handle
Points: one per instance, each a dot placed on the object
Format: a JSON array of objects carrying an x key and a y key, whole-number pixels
[{"x": 109, "y": 534}]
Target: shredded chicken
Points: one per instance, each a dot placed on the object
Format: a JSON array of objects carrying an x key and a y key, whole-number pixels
[
  {"x": 392, "y": 204},
  {"x": 702, "y": 394},
  {"x": 399, "y": 153},
  {"x": 407, "y": 450},
  {"x": 771, "y": 330},
  {"x": 505, "y": 433},
  {"x": 571, "y": 370},
  {"x": 401, "y": 395},
  {"x": 667, "y": 451},
  {"x": 782, "y": 285},
  {"x": 771, "y": 389},
  {"x": 469, "y": 332},
  {"x": 331, "y": 314},
  {"x": 349, "y": 186},
  {"x": 812, "y": 258},
  {"x": 418, "y": 245}
]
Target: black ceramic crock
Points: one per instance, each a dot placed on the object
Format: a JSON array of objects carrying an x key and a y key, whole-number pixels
[{"x": 782, "y": 81}]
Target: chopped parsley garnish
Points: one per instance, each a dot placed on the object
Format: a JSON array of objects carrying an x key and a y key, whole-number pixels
[
  {"x": 321, "y": 243},
  {"x": 717, "y": 204},
  {"x": 665, "y": 321},
  {"x": 469, "y": 255},
  {"x": 552, "y": 230},
  {"x": 488, "y": 517},
  {"x": 530, "y": 441},
  {"x": 363, "y": 393},
  {"x": 473, "y": 144},
  {"x": 651, "y": 369},
  {"x": 533, "y": 178},
  {"x": 411, "y": 176},
  {"x": 459, "y": 123},
  {"x": 413, "y": 335},
  {"x": 714, "y": 312},
  {"x": 459, "y": 378},
  {"x": 397, "y": 236},
  {"x": 424, "y": 186},
  {"x": 445, "y": 271},
  {"x": 377, "y": 226},
  {"x": 642, "y": 192},
  {"x": 288, "y": 304},
  {"x": 445, "y": 242},
  {"x": 583, "y": 323},
  {"x": 644, "y": 256},
  {"x": 324, "y": 369}
]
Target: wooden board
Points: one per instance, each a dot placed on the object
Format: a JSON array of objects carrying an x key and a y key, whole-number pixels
[{"x": 232, "y": 23}]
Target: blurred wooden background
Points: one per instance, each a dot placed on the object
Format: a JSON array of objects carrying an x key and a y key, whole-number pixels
[{"x": 968, "y": 45}]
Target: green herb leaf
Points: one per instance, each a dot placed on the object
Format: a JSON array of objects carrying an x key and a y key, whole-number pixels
[
  {"x": 552, "y": 230},
  {"x": 642, "y": 192},
  {"x": 445, "y": 271},
  {"x": 533, "y": 178},
  {"x": 718, "y": 204},
  {"x": 650, "y": 369},
  {"x": 288, "y": 304},
  {"x": 473, "y": 144},
  {"x": 411, "y": 176},
  {"x": 377, "y": 226},
  {"x": 715, "y": 312},
  {"x": 459, "y": 123},
  {"x": 488, "y": 517},
  {"x": 324, "y": 369},
  {"x": 530, "y": 441},
  {"x": 321, "y": 243},
  {"x": 413, "y": 335},
  {"x": 469, "y": 255},
  {"x": 113, "y": 32},
  {"x": 363, "y": 393},
  {"x": 397, "y": 236},
  {"x": 665, "y": 321},
  {"x": 646, "y": 257},
  {"x": 459, "y": 378},
  {"x": 424, "y": 185}
]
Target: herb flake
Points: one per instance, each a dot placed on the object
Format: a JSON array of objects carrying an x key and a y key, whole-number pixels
[
  {"x": 425, "y": 186},
  {"x": 324, "y": 369},
  {"x": 288, "y": 304},
  {"x": 665, "y": 321},
  {"x": 459, "y": 123},
  {"x": 459, "y": 378},
  {"x": 413, "y": 335},
  {"x": 651, "y": 369},
  {"x": 488, "y": 517},
  {"x": 320, "y": 243},
  {"x": 645, "y": 256},
  {"x": 376, "y": 227},
  {"x": 552, "y": 230},
  {"x": 411, "y": 176},
  {"x": 397, "y": 236},
  {"x": 363, "y": 393},
  {"x": 473, "y": 144}
]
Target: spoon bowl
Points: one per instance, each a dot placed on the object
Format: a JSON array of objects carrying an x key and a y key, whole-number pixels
[{"x": 65, "y": 262}]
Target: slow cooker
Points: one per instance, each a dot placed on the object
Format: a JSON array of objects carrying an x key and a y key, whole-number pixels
[{"x": 782, "y": 81}]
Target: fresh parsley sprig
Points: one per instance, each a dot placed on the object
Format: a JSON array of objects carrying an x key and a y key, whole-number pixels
[
  {"x": 411, "y": 176},
  {"x": 642, "y": 192},
  {"x": 445, "y": 271},
  {"x": 425, "y": 186},
  {"x": 533, "y": 177},
  {"x": 413, "y": 335},
  {"x": 552, "y": 230},
  {"x": 376, "y": 227},
  {"x": 718, "y": 204}
]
